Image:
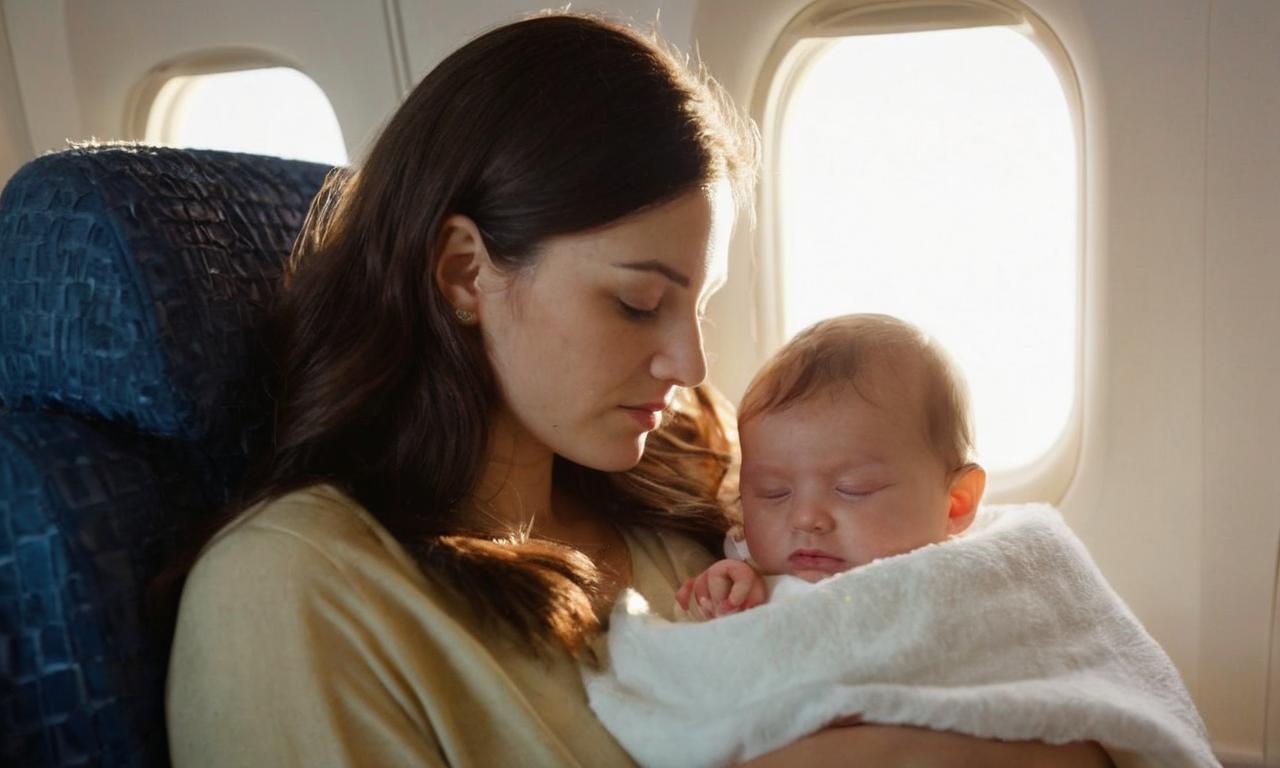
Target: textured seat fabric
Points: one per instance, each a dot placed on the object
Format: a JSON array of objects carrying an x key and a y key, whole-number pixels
[
  {"x": 77, "y": 539},
  {"x": 132, "y": 282}
]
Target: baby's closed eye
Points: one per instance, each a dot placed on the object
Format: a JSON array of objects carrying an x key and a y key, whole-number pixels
[
  {"x": 858, "y": 491},
  {"x": 773, "y": 494}
]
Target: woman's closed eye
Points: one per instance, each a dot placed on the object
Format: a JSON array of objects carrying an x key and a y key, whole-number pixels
[{"x": 633, "y": 312}]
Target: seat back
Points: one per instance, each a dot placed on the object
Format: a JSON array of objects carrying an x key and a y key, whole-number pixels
[{"x": 132, "y": 283}]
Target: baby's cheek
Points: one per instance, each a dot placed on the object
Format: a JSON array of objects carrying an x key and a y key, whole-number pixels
[{"x": 762, "y": 542}]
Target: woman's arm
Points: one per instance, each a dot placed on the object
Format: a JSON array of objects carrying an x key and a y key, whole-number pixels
[{"x": 892, "y": 745}]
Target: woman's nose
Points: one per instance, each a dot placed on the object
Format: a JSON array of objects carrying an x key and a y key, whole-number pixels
[{"x": 680, "y": 359}]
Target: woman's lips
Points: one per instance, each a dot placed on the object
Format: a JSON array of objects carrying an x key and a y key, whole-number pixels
[
  {"x": 657, "y": 406},
  {"x": 647, "y": 415},
  {"x": 816, "y": 560}
]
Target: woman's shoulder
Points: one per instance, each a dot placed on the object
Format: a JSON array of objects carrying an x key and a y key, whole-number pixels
[
  {"x": 307, "y": 599},
  {"x": 310, "y": 537},
  {"x": 315, "y": 510},
  {"x": 309, "y": 562},
  {"x": 319, "y": 516}
]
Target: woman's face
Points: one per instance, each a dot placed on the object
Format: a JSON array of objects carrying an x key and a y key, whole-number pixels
[{"x": 590, "y": 344}]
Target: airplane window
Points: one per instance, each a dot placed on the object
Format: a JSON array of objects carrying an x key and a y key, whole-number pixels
[
  {"x": 933, "y": 175},
  {"x": 271, "y": 110}
]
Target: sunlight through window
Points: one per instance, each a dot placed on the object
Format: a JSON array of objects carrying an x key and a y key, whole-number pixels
[
  {"x": 270, "y": 111},
  {"x": 933, "y": 176}
]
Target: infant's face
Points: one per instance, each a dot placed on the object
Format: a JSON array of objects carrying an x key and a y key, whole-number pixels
[{"x": 835, "y": 481}]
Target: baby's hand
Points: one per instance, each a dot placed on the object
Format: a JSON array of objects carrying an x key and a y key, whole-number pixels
[{"x": 728, "y": 586}]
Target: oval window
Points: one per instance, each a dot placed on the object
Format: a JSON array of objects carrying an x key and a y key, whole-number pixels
[
  {"x": 270, "y": 110},
  {"x": 934, "y": 176}
]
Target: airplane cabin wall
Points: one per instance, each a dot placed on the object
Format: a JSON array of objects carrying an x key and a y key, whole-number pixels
[
  {"x": 15, "y": 145},
  {"x": 80, "y": 64},
  {"x": 433, "y": 29},
  {"x": 1241, "y": 364}
]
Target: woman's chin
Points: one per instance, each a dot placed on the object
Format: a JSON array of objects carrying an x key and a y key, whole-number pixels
[{"x": 614, "y": 457}]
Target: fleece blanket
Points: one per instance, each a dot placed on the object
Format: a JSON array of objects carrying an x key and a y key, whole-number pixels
[{"x": 1008, "y": 631}]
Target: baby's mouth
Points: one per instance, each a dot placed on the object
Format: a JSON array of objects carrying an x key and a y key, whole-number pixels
[{"x": 816, "y": 560}]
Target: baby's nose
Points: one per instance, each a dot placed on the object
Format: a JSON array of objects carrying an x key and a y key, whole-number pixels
[{"x": 811, "y": 518}]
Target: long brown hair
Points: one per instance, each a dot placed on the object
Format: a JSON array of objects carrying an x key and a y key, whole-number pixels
[{"x": 547, "y": 126}]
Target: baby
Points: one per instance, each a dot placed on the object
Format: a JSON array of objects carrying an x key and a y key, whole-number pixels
[
  {"x": 857, "y": 479},
  {"x": 856, "y": 445}
]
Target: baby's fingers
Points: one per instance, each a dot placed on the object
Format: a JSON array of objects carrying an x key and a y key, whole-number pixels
[
  {"x": 757, "y": 593},
  {"x": 738, "y": 595},
  {"x": 702, "y": 594},
  {"x": 719, "y": 588},
  {"x": 682, "y": 595}
]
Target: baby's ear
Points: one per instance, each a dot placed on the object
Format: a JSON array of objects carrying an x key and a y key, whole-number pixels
[{"x": 967, "y": 485}]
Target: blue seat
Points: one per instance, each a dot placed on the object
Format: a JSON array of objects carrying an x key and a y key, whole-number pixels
[{"x": 132, "y": 282}]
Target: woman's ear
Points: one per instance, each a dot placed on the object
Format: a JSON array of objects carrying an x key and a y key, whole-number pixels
[
  {"x": 965, "y": 492},
  {"x": 462, "y": 255}
]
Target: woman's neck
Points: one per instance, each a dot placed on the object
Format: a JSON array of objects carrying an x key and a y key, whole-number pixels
[{"x": 516, "y": 490}]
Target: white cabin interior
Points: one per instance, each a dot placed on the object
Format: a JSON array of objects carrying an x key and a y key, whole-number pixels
[{"x": 1172, "y": 478}]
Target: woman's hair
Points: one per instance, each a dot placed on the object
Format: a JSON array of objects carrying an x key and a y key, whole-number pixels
[
  {"x": 547, "y": 126},
  {"x": 835, "y": 353}
]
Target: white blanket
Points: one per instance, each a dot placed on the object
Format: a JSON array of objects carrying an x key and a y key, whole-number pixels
[{"x": 1009, "y": 632}]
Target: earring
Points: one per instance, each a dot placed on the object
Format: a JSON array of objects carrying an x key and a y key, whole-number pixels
[{"x": 463, "y": 315}]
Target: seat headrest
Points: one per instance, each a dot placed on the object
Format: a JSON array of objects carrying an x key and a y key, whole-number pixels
[{"x": 133, "y": 277}]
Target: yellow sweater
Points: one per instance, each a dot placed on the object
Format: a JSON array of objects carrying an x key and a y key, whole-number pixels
[{"x": 307, "y": 636}]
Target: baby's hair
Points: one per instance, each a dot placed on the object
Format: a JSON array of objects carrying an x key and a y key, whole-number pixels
[{"x": 835, "y": 352}]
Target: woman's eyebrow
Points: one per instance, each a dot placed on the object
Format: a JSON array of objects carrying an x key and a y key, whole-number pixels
[{"x": 659, "y": 267}]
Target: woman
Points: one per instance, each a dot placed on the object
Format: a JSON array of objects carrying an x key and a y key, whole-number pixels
[{"x": 488, "y": 422}]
